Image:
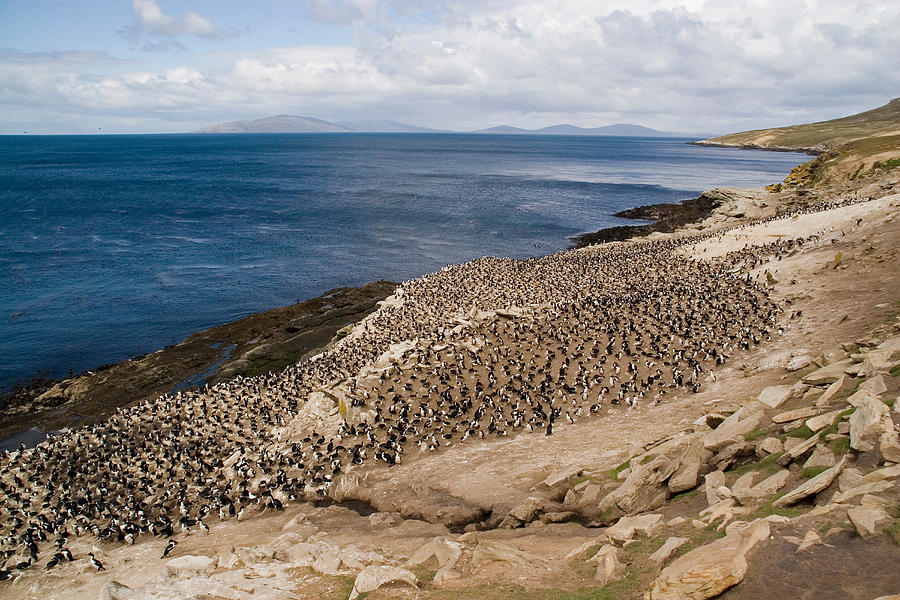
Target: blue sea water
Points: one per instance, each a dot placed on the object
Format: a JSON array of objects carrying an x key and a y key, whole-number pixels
[{"x": 113, "y": 246}]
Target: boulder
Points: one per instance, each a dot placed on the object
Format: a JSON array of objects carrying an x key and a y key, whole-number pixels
[
  {"x": 889, "y": 446},
  {"x": 591, "y": 494},
  {"x": 743, "y": 483},
  {"x": 822, "y": 456},
  {"x": 374, "y": 576},
  {"x": 691, "y": 461},
  {"x": 798, "y": 362},
  {"x": 609, "y": 568},
  {"x": 712, "y": 482},
  {"x": 874, "y": 385},
  {"x": 868, "y": 487},
  {"x": 797, "y": 451},
  {"x": 643, "y": 490},
  {"x": 113, "y": 590},
  {"x": 444, "y": 551},
  {"x": 809, "y": 540},
  {"x": 822, "y": 421},
  {"x": 527, "y": 510},
  {"x": 775, "y": 395},
  {"x": 627, "y": 527},
  {"x": 488, "y": 551},
  {"x": 725, "y": 457},
  {"x": 769, "y": 445},
  {"x": 769, "y": 485},
  {"x": 813, "y": 486},
  {"x": 793, "y": 415},
  {"x": 827, "y": 374},
  {"x": 830, "y": 391},
  {"x": 734, "y": 427},
  {"x": 832, "y": 356},
  {"x": 711, "y": 569},
  {"x": 861, "y": 396},
  {"x": 668, "y": 549},
  {"x": 866, "y": 518},
  {"x": 871, "y": 419},
  {"x": 190, "y": 566},
  {"x": 560, "y": 478}
]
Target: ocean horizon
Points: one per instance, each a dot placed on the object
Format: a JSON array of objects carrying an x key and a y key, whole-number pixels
[{"x": 112, "y": 246}]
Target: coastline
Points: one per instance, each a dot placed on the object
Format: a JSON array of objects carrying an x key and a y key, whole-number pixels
[
  {"x": 666, "y": 217},
  {"x": 260, "y": 343},
  {"x": 267, "y": 341},
  {"x": 813, "y": 151}
]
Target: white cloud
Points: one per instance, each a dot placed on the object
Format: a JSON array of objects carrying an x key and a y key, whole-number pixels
[
  {"x": 153, "y": 22},
  {"x": 151, "y": 16},
  {"x": 688, "y": 65}
]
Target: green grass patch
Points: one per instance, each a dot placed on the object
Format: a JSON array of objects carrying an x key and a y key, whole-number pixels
[
  {"x": 810, "y": 472},
  {"x": 581, "y": 479},
  {"x": 767, "y": 510},
  {"x": 829, "y": 525},
  {"x": 801, "y": 432},
  {"x": 895, "y": 371},
  {"x": 752, "y": 436},
  {"x": 891, "y": 402},
  {"x": 893, "y": 530},
  {"x": 614, "y": 472},
  {"x": 839, "y": 446},
  {"x": 766, "y": 465},
  {"x": 424, "y": 575},
  {"x": 891, "y": 163},
  {"x": 643, "y": 548},
  {"x": 701, "y": 538}
]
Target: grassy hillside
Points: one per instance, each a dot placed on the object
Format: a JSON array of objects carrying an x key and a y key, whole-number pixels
[
  {"x": 848, "y": 149},
  {"x": 824, "y": 135}
]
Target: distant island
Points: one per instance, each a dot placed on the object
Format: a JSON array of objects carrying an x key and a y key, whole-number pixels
[{"x": 297, "y": 124}]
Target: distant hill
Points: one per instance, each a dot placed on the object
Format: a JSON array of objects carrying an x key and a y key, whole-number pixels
[
  {"x": 374, "y": 126},
  {"x": 504, "y": 129},
  {"x": 295, "y": 124},
  {"x": 276, "y": 124},
  {"x": 621, "y": 129},
  {"x": 819, "y": 137}
]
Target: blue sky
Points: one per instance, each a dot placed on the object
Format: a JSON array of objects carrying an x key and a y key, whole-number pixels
[{"x": 678, "y": 65}]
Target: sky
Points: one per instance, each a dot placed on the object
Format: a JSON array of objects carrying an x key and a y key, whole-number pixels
[{"x": 692, "y": 66}]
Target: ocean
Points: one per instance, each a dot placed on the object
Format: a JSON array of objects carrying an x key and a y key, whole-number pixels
[{"x": 114, "y": 246}]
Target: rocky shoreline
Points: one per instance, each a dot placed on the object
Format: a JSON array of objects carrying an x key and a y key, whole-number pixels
[
  {"x": 666, "y": 217},
  {"x": 813, "y": 151},
  {"x": 257, "y": 344}
]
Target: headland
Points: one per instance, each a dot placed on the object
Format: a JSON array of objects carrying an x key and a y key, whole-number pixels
[{"x": 709, "y": 412}]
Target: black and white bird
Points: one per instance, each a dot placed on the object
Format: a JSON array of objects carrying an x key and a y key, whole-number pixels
[
  {"x": 169, "y": 547},
  {"x": 96, "y": 563}
]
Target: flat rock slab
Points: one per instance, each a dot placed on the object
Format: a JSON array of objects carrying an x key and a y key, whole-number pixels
[
  {"x": 871, "y": 419},
  {"x": 374, "y": 576},
  {"x": 668, "y": 549},
  {"x": 866, "y": 518},
  {"x": 828, "y": 374},
  {"x": 711, "y": 569},
  {"x": 793, "y": 415},
  {"x": 824, "y": 420},
  {"x": 609, "y": 567},
  {"x": 775, "y": 395},
  {"x": 813, "y": 486},
  {"x": 627, "y": 527}
]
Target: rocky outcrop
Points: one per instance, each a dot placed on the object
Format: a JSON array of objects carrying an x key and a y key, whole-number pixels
[
  {"x": 709, "y": 570},
  {"x": 374, "y": 576}
]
